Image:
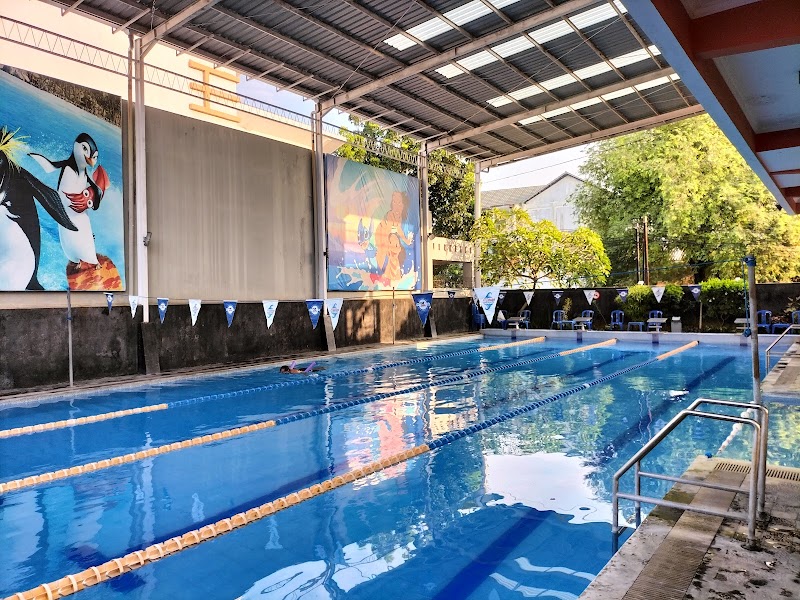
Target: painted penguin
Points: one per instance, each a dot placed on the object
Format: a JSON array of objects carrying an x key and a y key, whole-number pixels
[
  {"x": 78, "y": 191},
  {"x": 20, "y": 234}
]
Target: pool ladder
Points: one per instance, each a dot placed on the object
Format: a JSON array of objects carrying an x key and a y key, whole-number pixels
[
  {"x": 791, "y": 327},
  {"x": 757, "y": 471}
]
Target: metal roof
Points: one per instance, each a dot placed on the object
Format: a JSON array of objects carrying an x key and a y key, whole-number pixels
[{"x": 493, "y": 80}]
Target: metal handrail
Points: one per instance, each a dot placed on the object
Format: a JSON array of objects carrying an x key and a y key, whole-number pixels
[
  {"x": 758, "y": 469},
  {"x": 780, "y": 337}
]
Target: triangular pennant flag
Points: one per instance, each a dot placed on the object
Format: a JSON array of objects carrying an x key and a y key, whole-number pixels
[
  {"x": 314, "y": 310},
  {"x": 451, "y": 294},
  {"x": 695, "y": 289},
  {"x": 528, "y": 297},
  {"x": 623, "y": 294},
  {"x": 230, "y": 310},
  {"x": 557, "y": 295},
  {"x": 270, "y": 307},
  {"x": 488, "y": 299},
  {"x": 500, "y": 297},
  {"x": 334, "y": 307},
  {"x": 134, "y": 302},
  {"x": 658, "y": 292},
  {"x": 422, "y": 300},
  {"x": 109, "y": 301},
  {"x": 162, "y": 308},
  {"x": 194, "y": 309},
  {"x": 589, "y": 295}
]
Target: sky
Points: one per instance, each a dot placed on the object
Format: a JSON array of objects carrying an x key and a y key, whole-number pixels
[{"x": 539, "y": 170}]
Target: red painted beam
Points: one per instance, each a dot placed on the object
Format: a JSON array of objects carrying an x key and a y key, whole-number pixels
[
  {"x": 756, "y": 26},
  {"x": 777, "y": 140},
  {"x": 787, "y": 172},
  {"x": 791, "y": 192}
]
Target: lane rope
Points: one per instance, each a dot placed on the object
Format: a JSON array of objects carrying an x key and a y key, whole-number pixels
[
  {"x": 49, "y": 426},
  {"x": 50, "y": 476},
  {"x": 134, "y": 560}
]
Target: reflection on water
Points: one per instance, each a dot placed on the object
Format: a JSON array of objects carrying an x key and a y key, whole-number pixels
[{"x": 519, "y": 510}]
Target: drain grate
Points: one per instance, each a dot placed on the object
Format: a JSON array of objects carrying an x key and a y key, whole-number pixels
[{"x": 787, "y": 473}]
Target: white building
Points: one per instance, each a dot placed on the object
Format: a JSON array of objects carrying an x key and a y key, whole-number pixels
[{"x": 552, "y": 201}]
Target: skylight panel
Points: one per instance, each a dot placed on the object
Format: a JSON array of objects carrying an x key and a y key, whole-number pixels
[
  {"x": 531, "y": 90},
  {"x": 592, "y": 71},
  {"x": 429, "y": 29},
  {"x": 468, "y": 12},
  {"x": 556, "y": 112},
  {"x": 449, "y": 71},
  {"x": 586, "y": 103},
  {"x": 499, "y": 101},
  {"x": 551, "y": 32},
  {"x": 634, "y": 57},
  {"x": 477, "y": 60},
  {"x": 619, "y": 93},
  {"x": 558, "y": 82},
  {"x": 400, "y": 41},
  {"x": 502, "y": 3},
  {"x": 651, "y": 84},
  {"x": 593, "y": 16},
  {"x": 514, "y": 46},
  {"x": 530, "y": 120}
]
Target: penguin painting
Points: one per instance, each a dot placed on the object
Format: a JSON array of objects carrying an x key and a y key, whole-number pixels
[
  {"x": 20, "y": 233},
  {"x": 78, "y": 192}
]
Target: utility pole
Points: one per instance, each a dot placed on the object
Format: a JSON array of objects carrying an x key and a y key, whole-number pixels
[
  {"x": 638, "y": 252},
  {"x": 646, "y": 253}
]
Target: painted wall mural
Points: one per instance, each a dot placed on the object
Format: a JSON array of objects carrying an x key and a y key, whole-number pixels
[
  {"x": 373, "y": 227},
  {"x": 61, "y": 211}
]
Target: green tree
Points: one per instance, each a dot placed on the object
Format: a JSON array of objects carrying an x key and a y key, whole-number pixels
[
  {"x": 516, "y": 249},
  {"x": 451, "y": 197},
  {"x": 703, "y": 202}
]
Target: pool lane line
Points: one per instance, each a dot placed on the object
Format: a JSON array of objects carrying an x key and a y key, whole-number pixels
[
  {"x": 134, "y": 560},
  {"x": 32, "y": 480},
  {"x": 62, "y": 424}
]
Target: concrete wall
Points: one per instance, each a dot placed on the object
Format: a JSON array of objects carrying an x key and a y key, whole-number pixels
[{"x": 230, "y": 213}]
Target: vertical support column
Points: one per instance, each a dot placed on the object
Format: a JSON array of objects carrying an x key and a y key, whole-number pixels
[
  {"x": 318, "y": 172},
  {"x": 750, "y": 261},
  {"x": 476, "y": 270},
  {"x": 142, "y": 285},
  {"x": 425, "y": 221},
  {"x": 130, "y": 166}
]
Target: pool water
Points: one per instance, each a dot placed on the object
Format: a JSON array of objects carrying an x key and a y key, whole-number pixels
[{"x": 521, "y": 509}]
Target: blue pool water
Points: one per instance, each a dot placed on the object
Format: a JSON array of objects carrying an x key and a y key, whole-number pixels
[{"x": 518, "y": 510}]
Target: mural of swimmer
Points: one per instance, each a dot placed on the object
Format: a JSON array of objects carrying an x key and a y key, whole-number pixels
[
  {"x": 76, "y": 232},
  {"x": 373, "y": 227}
]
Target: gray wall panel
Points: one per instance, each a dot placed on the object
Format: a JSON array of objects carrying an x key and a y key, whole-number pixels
[{"x": 231, "y": 213}]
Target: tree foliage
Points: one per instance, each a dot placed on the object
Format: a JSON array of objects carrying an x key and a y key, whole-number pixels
[
  {"x": 450, "y": 179},
  {"x": 516, "y": 249},
  {"x": 703, "y": 202}
]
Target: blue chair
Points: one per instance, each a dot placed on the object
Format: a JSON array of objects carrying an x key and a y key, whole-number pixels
[
  {"x": 654, "y": 314},
  {"x": 617, "y": 319},
  {"x": 525, "y": 318},
  {"x": 590, "y": 314},
  {"x": 560, "y": 319},
  {"x": 776, "y": 327},
  {"x": 764, "y": 319},
  {"x": 478, "y": 318}
]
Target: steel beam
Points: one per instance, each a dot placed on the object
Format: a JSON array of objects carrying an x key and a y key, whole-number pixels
[
  {"x": 777, "y": 140},
  {"x": 479, "y": 43},
  {"x": 175, "y": 21}
]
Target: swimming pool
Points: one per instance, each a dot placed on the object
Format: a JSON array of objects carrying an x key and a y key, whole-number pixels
[{"x": 520, "y": 509}]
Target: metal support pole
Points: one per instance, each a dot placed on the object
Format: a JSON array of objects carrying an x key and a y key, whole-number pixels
[
  {"x": 130, "y": 166},
  {"x": 755, "y": 498},
  {"x": 69, "y": 337},
  {"x": 476, "y": 269},
  {"x": 142, "y": 239},
  {"x": 638, "y": 254},
  {"x": 646, "y": 253},
  {"x": 750, "y": 261},
  {"x": 637, "y": 487},
  {"x": 425, "y": 224},
  {"x": 320, "y": 242},
  {"x": 393, "y": 318}
]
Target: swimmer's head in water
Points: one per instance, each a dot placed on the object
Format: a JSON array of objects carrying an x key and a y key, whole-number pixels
[{"x": 286, "y": 369}]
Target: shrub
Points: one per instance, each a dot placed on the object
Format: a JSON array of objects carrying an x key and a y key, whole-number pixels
[{"x": 723, "y": 299}]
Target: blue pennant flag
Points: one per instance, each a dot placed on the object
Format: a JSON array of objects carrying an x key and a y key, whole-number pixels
[
  {"x": 109, "y": 301},
  {"x": 314, "y": 310},
  {"x": 623, "y": 294},
  {"x": 500, "y": 297},
  {"x": 422, "y": 300},
  {"x": 558, "y": 294},
  {"x": 451, "y": 294},
  {"x": 162, "y": 308},
  {"x": 695, "y": 289},
  {"x": 230, "y": 310}
]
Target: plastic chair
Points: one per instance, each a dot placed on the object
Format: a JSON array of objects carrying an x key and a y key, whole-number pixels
[
  {"x": 525, "y": 318},
  {"x": 560, "y": 320},
  {"x": 617, "y": 319},
  {"x": 590, "y": 314},
  {"x": 478, "y": 318},
  {"x": 764, "y": 319},
  {"x": 655, "y": 314}
]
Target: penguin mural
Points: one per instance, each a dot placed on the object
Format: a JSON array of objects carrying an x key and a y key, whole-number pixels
[
  {"x": 20, "y": 233},
  {"x": 78, "y": 192}
]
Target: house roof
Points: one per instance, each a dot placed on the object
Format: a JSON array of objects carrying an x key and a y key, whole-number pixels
[{"x": 510, "y": 197}]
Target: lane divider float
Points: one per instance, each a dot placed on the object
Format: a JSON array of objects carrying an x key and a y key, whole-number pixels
[
  {"x": 135, "y": 560},
  {"x": 49, "y": 426},
  {"x": 106, "y": 463}
]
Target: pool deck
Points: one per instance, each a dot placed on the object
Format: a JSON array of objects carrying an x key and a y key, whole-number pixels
[
  {"x": 680, "y": 555},
  {"x": 784, "y": 378}
]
